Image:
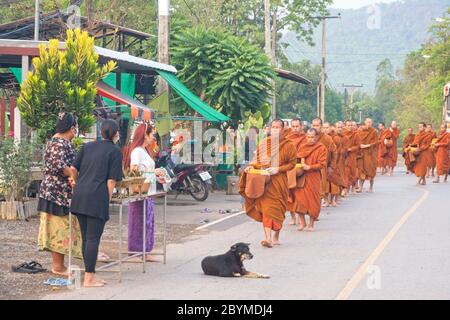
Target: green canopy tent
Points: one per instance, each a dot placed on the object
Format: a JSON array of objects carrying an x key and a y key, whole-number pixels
[{"x": 191, "y": 99}]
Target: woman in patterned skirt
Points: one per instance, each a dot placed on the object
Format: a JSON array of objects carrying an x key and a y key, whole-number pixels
[{"x": 54, "y": 195}]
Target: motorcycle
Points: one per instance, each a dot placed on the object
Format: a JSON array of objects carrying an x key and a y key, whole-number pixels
[{"x": 190, "y": 179}]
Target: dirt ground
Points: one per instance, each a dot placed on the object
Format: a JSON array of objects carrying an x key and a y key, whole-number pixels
[{"x": 18, "y": 244}]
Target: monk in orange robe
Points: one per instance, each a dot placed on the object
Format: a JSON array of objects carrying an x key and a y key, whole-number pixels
[
  {"x": 384, "y": 145},
  {"x": 334, "y": 179},
  {"x": 393, "y": 151},
  {"x": 297, "y": 136},
  {"x": 327, "y": 141},
  {"x": 432, "y": 167},
  {"x": 420, "y": 153},
  {"x": 407, "y": 141},
  {"x": 314, "y": 159},
  {"x": 369, "y": 150},
  {"x": 354, "y": 143},
  {"x": 442, "y": 153},
  {"x": 342, "y": 143},
  {"x": 277, "y": 156}
]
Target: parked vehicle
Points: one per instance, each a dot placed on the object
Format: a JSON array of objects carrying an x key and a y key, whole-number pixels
[{"x": 190, "y": 179}]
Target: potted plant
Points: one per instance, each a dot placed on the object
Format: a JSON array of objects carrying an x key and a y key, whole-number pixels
[
  {"x": 15, "y": 174},
  {"x": 62, "y": 81}
]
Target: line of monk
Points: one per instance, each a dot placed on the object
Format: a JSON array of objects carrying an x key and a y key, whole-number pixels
[
  {"x": 302, "y": 172},
  {"x": 407, "y": 141},
  {"x": 441, "y": 149},
  {"x": 387, "y": 148},
  {"x": 419, "y": 154}
]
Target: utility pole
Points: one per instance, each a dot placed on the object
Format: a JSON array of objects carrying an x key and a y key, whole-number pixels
[
  {"x": 163, "y": 39},
  {"x": 352, "y": 88},
  {"x": 90, "y": 12},
  {"x": 36, "y": 21},
  {"x": 318, "y": 100},
  {"x": 274, "y": 61},
  {"x": 268, "y": 48},
  {"x": 324, "y": 55}
]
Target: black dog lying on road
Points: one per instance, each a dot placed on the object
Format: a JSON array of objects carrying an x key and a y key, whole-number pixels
[{"x": 230, "y": 264}]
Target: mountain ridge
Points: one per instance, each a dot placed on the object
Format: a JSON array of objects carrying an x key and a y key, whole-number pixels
[{"x": 363, "y": 37}]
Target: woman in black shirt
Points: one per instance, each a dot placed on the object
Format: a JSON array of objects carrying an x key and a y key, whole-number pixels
[{"x": 96, "y": 168}]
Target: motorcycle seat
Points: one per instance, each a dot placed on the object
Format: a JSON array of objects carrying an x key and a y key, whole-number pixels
[{"x": 182, "y": 167}]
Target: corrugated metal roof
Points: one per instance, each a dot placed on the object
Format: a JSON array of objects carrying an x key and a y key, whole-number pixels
[
  {"x": 139, "y": 62},
  {"x": 126, "y": 62}
]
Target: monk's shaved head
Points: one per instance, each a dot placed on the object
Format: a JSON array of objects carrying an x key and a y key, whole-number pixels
[
  {"x": 312, "y": 136},
  {"x": 281, "y": 122},
  {"x": 339, "y": 127},
  {"x": 296, "y": 125},
  {"x": 422, "y": 126},
  {"x": 317, "y": 124},
  {"x": 368, "y": 123},
  {"x": 277, "y": 128}
]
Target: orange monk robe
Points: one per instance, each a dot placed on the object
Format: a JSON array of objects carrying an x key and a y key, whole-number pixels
[
  {"x": 424, "y": 159},
  {"x": 296, "y": 138},
  {"x": 309, "y": 195},
  {"x": 335, "y": 179},
  {"x": 368, "y": 164},
  {"x": 350, "y": 162},
  {"x": 442, "y": 153},
  {"x": 393, "y": 151},
  {"x": 271, "y": 206},
  {"x": 342, "y": 143},
  {"x": 327, "y": 141},
  {"x": 433, "y": 158},
  {"x": 407, "y": 141},
  {"x": 383, "y": 150}
]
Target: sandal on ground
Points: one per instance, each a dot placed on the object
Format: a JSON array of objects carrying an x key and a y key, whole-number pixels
[
  {"x": 37, "y": 266},
  {"x": 24, "y": 268},
  {"x": 57, "y": 282}
]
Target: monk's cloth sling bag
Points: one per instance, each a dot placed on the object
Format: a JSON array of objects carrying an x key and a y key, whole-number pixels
[
  {"x": 300, "y": 175},
  {"x": 301, "y": 181},
  {"x": 255, "y": 185},
  {"x": 388, "y": 143}
]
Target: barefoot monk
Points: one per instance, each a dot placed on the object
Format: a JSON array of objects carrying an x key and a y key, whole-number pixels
[{"x": 264, "y": 183}]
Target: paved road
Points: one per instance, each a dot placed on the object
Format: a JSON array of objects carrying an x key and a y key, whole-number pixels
[{"x": 392, "y": 244}]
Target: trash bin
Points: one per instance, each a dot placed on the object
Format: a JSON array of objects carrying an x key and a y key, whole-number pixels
[{"x": 233, "y": 185}]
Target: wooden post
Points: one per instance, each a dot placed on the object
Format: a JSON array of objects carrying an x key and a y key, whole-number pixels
[
  {"x": 2, "y": 117},
  {"x": 322, "y": 82},
  {"x": 163, "y": 40}
]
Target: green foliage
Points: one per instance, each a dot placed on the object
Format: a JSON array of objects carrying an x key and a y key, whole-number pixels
[
  {"x": 298, "y": 100},
  {"x": 253, "y": 120},
  {"x": 246, "y": 18},
  {"x": 77, "y": 143},
  {"x": 62, "y": 81},
  {"x": 423, "y": 77},
  {"x": 15, "y": 167},
  {"x": 354, "y": 50},
  {"x": 223, "y": 70}
]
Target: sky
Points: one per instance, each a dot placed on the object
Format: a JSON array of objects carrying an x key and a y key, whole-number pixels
[{"x": 355, "y": 4}]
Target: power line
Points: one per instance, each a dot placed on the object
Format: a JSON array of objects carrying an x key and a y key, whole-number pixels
[{"x": 192, "y": 11}]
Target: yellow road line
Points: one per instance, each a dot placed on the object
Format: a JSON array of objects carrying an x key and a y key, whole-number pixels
[{"x": 362, "y": 271}]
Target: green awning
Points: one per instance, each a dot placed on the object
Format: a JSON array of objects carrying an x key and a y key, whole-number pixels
[{"x": 192, "y": 100}]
